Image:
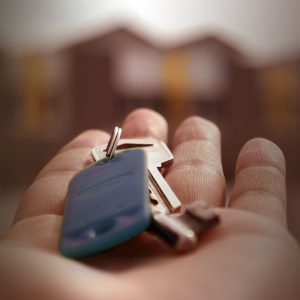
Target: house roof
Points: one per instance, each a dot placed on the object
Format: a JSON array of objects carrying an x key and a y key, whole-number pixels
[{"x": 214, "y": 40}]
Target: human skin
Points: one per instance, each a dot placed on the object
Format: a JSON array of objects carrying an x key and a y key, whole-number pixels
[{"x": 249, "y": 255}]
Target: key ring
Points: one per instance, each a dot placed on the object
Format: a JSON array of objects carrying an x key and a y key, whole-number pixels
[
  {"x": 113, "y": 142},
  {"x": 125, "y": 188}
]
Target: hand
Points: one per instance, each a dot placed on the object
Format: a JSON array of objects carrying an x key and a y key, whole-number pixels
[{"x": 250, "y": 255}]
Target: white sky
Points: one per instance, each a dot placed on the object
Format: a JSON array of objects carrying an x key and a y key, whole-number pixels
[{"x": 266, "y": 29}]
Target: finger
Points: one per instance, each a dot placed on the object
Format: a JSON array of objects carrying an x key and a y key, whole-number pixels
[
  {"x": 46, "y": 195},
  {"x": 260, "y": 180},
  {"x": 196, "y": 173},
  {"x": 145, "y": 123},
  {"x": 75, "y": 155}
]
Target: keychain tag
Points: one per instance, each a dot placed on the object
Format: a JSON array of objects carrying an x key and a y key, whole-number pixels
[{"x": 107, "y": 204}]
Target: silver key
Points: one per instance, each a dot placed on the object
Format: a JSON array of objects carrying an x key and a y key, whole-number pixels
[
  {"x": 162, "y": 197},
  {"x": 182, "y": 231}
]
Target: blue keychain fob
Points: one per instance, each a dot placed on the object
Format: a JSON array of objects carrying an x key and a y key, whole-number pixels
[{"x": 107, "y": 204}]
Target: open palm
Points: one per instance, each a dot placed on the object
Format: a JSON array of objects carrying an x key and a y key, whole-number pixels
[{"x": 250, "y": 255}]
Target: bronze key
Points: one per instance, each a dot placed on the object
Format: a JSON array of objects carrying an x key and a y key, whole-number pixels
[
  {"x": 162, "y": 197},
  {"x": 182, "y": 231}
]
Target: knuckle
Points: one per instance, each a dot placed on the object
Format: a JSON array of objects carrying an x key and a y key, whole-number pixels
[
  {"x": 260, "y": 152},
  {"x": 261, "y": 179},
  {"x": 263, "y": 202},
  {"x": 200, "y": 149},
  {"x": 198, "y": 181},
  {"x": 262, "y": 144},
  {"x": 199, "y": 168}
]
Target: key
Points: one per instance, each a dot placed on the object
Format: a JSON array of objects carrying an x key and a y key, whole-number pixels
[
  {"x": 99, "y": 152},
  {"x": 157, "y": 200},
  {"x": 182, "y": 231},
  {"x": 107, "y": 203},
  {"x": 163, "y": 199}
]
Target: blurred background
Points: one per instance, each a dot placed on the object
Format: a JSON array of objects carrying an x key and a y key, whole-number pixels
[{"x": 66, "y": 66}]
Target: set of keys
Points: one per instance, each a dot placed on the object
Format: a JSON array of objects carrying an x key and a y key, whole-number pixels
[{"x": 123, "y": 194}]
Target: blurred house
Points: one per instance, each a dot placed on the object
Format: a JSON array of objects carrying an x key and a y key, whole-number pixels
[
  {"x": 121, "y": 71},
  {"x": 279, "y": 87},
  {"x": 94, "y": 83}
]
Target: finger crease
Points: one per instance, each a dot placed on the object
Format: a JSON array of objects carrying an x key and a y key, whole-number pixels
[
  {"x": 252, "y": 192},
  {"x": 53, "y": 174},
  {"x": 199, "y": 164},
  {"x": 260, "y": 165},
  {"x": 205, "y": 140},
  {"x": 72, "y": 148}
]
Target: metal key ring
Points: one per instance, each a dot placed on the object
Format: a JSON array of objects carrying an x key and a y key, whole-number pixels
[{"x": 113, "y": 142}]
